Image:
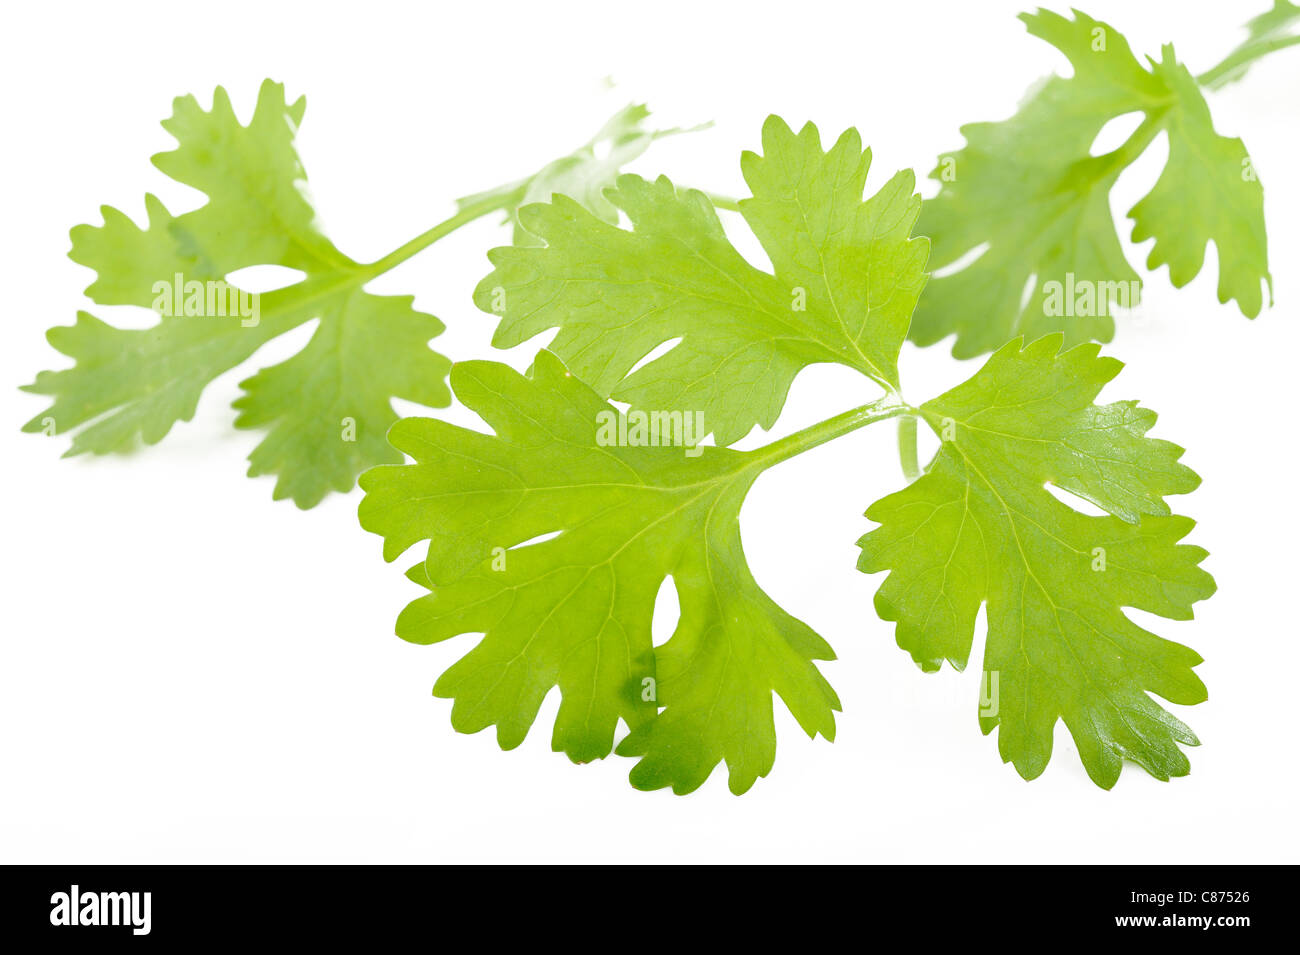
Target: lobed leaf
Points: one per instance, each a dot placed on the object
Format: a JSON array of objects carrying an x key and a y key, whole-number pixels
[
  {"x": 328, "y": 407},
  {"x": 575, "y": 610},
  {"x": 980, "y": 527},
  {"x": 847, "y": 275}
]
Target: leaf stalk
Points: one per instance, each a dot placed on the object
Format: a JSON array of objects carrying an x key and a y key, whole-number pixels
[
  {"x": 467, "y": 214},
  {"x": 907, "y": 447},
  {"x": 1221, "y": 74},
  {"x": 889, "y": 406}
]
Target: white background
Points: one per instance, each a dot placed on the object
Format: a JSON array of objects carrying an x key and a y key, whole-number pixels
[{"x": 193, "y": 673}]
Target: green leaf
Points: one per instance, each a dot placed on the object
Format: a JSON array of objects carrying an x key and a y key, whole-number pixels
[
  {"x": 1025, "y": 196},
  {"x": 328, "y": 407},
  {"x": 584, "y": 174},
  {"x": 980, "y": 527},
  {"x": 575, "y": 610},
  {"x": 846, "y": 278},
  {"x": 1205, "y": 194}
]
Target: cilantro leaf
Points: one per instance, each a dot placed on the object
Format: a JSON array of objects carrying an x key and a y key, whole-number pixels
[
  {"x": 574, "y": 611},
  {"x": 980, "y": 527},
  {"x": 584, "y": 174},
  {"x": 1027, "y": 193},
  {"x": 328, "y": 407},
  {"x": 1204, "y": 195},
  {"x": 847, "y": 276}
]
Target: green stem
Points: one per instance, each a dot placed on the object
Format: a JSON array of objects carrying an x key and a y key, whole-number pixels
[
  {"x": 467, "y": 214},
  {"x": 907, "y": 447},
  {"x": 723, "y": 202},
  {"x": 1137, "y": 143},
  {"x": 476, "y": 210},
  {"x": 890, "y": 406},
  {"x": 1220, "y": 74}
]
